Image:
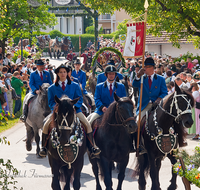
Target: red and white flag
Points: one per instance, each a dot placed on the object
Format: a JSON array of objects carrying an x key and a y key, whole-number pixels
[{"x": 134, "y": 40}]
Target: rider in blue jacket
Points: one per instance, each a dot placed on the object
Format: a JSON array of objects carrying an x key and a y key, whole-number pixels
[
  {"x": 104, "y": 93},
  {"x": 64, "y": 86},
  {"x": 37, "y": 78},
  {"x": 102, "y": 77}
]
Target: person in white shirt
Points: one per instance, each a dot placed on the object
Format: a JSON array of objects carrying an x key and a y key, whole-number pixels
[{"x": 18, "y": 61}]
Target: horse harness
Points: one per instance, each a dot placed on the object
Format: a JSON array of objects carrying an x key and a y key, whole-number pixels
[{"x": 167, "y": 142}]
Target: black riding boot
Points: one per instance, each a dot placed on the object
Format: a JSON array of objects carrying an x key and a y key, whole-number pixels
[
  {"x": 132, "y": 146},
  {"x": 25, "y": 113},
  {"x": 94, "y": 152},
  {"x": 43, "y": 151}
]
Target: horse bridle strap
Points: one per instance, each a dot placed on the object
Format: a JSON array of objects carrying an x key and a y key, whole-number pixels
[
  {"x": 66, "y": 127},
  {"x": 179, "y": 111},
  {"x": 122, "y": 120}
]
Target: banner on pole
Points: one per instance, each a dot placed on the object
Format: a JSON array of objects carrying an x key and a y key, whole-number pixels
[{"x": 134, "y": 40}]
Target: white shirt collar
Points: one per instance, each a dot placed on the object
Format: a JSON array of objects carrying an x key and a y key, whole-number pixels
[
  {"x": 108, "y": 84},
  {"x": 60, "y": 83},
  {"x": 39, "y": 72},
  {"x": 151, "y": 76}
]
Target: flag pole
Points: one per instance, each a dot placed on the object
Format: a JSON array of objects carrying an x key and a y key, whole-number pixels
[{"x": 141, "y": 86}]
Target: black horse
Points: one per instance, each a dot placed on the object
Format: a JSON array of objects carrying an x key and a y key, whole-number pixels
[
  {"x": 66, "y": 136},
  {"x": 164, "y": 130},
  {"x": 113, "y": 137}
]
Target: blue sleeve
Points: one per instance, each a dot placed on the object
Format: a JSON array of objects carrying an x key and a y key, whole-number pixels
[
  {"x": 120, "y": 76},
  {"x": 49, "y": 78},
  {"x": 77, "y": 95},
  {"x": 31, "y": 82},
  {"x": 98, "y": 79},
  {"x": 75, "y": 80},
  {"x": 83, "y": 82},
  {"x": 97, "y": 97},
  {"x": 136, "y": 83},
  {"x": 51, "y": 100},
  {"x": 123, "y": 91},
  {"x": 163, "y": 89}
]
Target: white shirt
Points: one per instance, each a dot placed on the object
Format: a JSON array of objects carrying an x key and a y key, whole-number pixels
[
  {"x": 195, "y": 94},
  {"x": 18, "y": 61},
  {"x": 108, "y": 84},
  {"x": 152, "y": 76},
  {"x": 39, "y": 72},
  {"x": 24, "y": 69},
  {"x": 60, "y": 83}
]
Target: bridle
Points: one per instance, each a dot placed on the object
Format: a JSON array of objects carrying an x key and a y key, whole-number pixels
[
  {"x": 65, "y": 127},
  {"x": 120, "y": 119},
  {"x": 179, "y": 111}
]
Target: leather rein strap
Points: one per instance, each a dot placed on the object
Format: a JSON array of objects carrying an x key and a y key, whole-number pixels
[{"x": 121, "y": 121}]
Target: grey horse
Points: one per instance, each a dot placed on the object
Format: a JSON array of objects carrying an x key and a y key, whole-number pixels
[{"x": 38, "y": 109}]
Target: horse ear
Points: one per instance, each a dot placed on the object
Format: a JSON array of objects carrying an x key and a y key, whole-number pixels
[
  {"x": 177, "y": 89},
  {"x": 117, "y": 79},
  {"x": 40, "y": 88},
  {"x": 116, "y": 97},
  {"x": 57, "y": 100},
  {"x": 75, "y": 101}
]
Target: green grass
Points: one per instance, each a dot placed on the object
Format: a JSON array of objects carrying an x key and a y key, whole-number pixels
[{"x": 4, "y": 125}]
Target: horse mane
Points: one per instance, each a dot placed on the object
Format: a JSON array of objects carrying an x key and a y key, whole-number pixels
[{"x": 109, "y": 115}]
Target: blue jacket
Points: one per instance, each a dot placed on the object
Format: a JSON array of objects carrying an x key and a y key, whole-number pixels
[
  {"x": 81, "y": 76},
  {"x": 72, "y": 90},
  {"x": 35, "y": 80},
  {"x": 102, "y": 78},
  {"x": 158, "y": 90},
  {"x": 102, "y": 95}
]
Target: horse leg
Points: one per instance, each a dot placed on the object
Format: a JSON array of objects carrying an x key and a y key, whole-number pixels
[
  {"x": 37, "y": 140},
  {"x": 107, "y": 172},
  {"x": 158, "y": 165},
  {"x": 58, "y": 54},
  {"x": 174, "y": 175},
  {"x": 54, "y": 53},
  {"x": 50, "y": 53},
  {"x": 30, "y": 135},
  {"x": 121, "y": 175},
  {"x": 153, "y": 173},
  {"x": 142, "y": 166},
  {"x": 77, "y": 175},
  {"x": 95, "y": 170},
  {"x": 55, "y": 185},
  {"x": 68, "y": 174}
]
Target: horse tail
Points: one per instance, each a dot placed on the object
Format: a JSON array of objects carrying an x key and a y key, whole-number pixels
[{"x": 142, "y": 166}]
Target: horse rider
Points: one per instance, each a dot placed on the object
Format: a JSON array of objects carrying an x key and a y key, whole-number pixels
[
  {"x": 102, "y": 77},
  {"x": 154, "y": 86},
  {"x": 71, "y": 56},
  {"x": 154, "y": 89},
  {"x": 37, "y": 78},
  {"x": 64, "y": 86},
  {"x": 85, "y": 59},
  {"x": 104, "y": 93},
  {"x": 77, "y": 73}
]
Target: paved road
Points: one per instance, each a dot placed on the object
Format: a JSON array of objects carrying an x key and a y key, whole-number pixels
[{"x": 35, "y": 174}]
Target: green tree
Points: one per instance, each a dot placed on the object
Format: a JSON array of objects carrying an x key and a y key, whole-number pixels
[
  {"x": 88, "y": 21},
  {"x": 90, "y": 30},
  {"x": 180, "y": 19},
  {"x": 18, "y": 18},
  {"x": 121, "y": 29}
]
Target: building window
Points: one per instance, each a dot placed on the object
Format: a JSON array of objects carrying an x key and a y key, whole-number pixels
[
  {"x": 106, "y": 16},
  {"x": 107, "y": 31},
  {"x": 61, "y": 25}
]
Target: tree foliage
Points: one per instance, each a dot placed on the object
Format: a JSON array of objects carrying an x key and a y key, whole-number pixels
[
  {"x": 18, "y": 17},
  {"x": 179, "y": 18}
]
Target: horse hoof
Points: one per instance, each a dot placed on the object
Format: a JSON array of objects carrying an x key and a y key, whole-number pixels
[{"x": 28, "y": 147}]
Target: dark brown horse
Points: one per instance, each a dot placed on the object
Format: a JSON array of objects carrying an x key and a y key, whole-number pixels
[
  {"x": 66, "y": 43},
  {"x": 25, "y": 42},
  {"x": 66, "y": 145},
  {"x": 113, "y": 137},
  {"x": 42, "y": 40},
  {"x": 164, "y": 130}
]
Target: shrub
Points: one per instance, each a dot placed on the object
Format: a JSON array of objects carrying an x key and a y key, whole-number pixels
[{"x": 25, "y": 54}]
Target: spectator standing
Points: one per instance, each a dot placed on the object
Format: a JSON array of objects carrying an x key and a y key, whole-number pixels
[
  {"x": 89, "y": 44},
  {"x": 17, "y": 84},
  {"x": 190, "y": 64}
]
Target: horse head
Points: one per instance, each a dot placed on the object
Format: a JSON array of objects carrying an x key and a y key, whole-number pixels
[
  {"x": 124, "y": 111},
  {"x": 43, "y": 91},
  {"x": 182, "y": 108},
  {"x": 64, "y": 118},
  {"x": 47, "y": 37}
]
